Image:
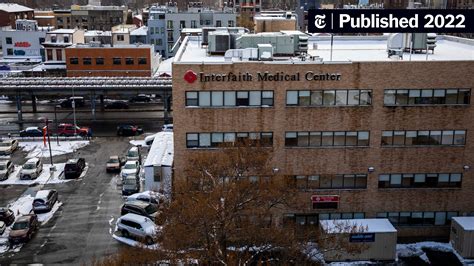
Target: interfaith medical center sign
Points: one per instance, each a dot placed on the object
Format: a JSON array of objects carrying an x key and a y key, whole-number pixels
[{"x": 390, "y": 20}]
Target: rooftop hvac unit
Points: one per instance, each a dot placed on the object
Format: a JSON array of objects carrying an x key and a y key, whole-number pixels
[
  {"x": 395, "y": 44},
  {"x": 414, "y": 41},
  {"x": 219, "y": 43},
  {"x": 205, "y": 34},
  {"x": 94, "y": 44},
  {"x": 265, "y": 52}
]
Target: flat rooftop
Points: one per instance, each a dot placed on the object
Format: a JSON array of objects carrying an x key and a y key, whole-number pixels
[{"x": 345, "y": 49}]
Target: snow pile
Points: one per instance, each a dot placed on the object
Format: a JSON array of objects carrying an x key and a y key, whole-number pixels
[
  {"x": 23, "y": 205},
  {"x": 134, "y": 243},
  {"x": 44, "y": 218},
  {"x": 138, "y": 142},
  {"x": 312, "y": 252},
  {"x": 416, "y": 250},
  {"x": 46, "y": 177},
  {"x": 38, "y": 149}
]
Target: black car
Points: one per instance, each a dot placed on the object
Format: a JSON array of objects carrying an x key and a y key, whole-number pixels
[
  {"x": 129, "y": 130},
  {"x": 74, "y": 168},
  {"x": 146, "y": 209},
  {"x": 78, "y": 101},
  {"x": 7, "y": 216},
  {"x": 141, "y": 98},
  {"x": 31, "y": 132},
  {"x": 117, "y": 105}
]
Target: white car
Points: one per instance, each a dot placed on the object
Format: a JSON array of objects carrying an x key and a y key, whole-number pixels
[
  {"x": 6, "y": 168},
  {"x": 147, "y": 196},
  {"x": 8, "y": 146},
  {"x": 130, "y": 168},
  {"x": 167, "y": 128},
  {"x": 31, "y": 169},
  {"x": 139, "y": 227},
  {"x": 133, "y": 154}
]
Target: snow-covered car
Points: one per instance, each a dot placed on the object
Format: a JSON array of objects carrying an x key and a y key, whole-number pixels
[
  {"x": 6, "y": 168},
  {"x": 137, "y": 226},
  {"x": 147, "y": 196},
  {"x": 3, "y": 226},
  {"x": 133, "y": 154},
  {"x": 45, "y": 200},
  {"x": 8, "y": 146},
  {"x": 130, "y": 168},
  {"x": 113, "y": 164},
  {"x": 31, "y": 169}
]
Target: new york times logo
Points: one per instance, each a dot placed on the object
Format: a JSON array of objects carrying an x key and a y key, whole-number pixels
[
  {"x": 320, "y": 21},
  {"x": 395, "y": 20}
]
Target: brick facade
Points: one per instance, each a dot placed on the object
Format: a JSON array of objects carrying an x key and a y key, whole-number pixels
[{"x": 375, "y": 76}]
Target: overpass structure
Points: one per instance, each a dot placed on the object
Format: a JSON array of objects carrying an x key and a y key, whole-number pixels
[{"x": 88, "y": 87}]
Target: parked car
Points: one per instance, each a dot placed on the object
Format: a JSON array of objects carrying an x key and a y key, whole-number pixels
[
  {"x": 114, "y": 163},
  {"x": 23, "y": 229},
  {"x": 167, "y": 128},
  {"x": 32, "y": 132},
  {"x": 74, "y": 168},
  {"x": 129, "y": 130},
  {"x": 78, "y": 101},
  {"x": 130, "y": 185},
  {"x": 31, "y": 169},
  {"x": 69, "y": 129},
  {"x": 7, "y": 216},
  {"x": 139, "y": 227},
  {"x": 133, "y": 154},
  {"x": 140, "y": 98},
  {"x": 44, "y": 200},
  {"x": 146, "y": 209},
  {"x": 6, "y": 168},
  {"x": 147, "y": 196},
  {"x": 117, "y": 105},
  {"x": 130, "y": 168},
  {"x": 8, "y": 146},
  {"x": 3, "y": 226},
  {"x": 149, "y": 139}
]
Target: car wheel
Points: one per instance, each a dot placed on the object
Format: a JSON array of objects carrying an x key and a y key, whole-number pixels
[
  {"x": 149, "y": 240},
  {"x": 125, "y": 233}
]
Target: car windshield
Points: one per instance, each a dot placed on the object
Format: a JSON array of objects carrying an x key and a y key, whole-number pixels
[
  {"x": 129, "y": 182},
  {"x": 113, "y": 161},
  {"x": 132, "y": 154},
  {"x": 20, "y": 226},
  {"x": 130, "y": 166},
  {"x": 29, "y": 166},
  {"x": 151, "y": 209},
  {"x": 2, "y": 167},
  {"x": 4, "y": 144}
]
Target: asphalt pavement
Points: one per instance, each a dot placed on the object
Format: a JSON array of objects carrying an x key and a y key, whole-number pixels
[{"x": 80, "y": 230}]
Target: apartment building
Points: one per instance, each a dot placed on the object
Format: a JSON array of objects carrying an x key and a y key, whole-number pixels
[
  {"x": 105, "y": 60},
  {"x": 57, "y": 41},
  {"x": 359, "y": 134},
  {"x": 102, "y": 18},
  {"x": 165, "y": 24},
  {"x": 23, "y": 43},
  {"x": 10, "y": 12}
]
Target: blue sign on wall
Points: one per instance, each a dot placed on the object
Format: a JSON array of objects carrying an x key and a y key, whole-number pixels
[{"x": 358, "y": 238}]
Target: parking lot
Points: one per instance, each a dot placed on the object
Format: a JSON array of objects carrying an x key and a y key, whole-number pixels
[{"x": 81, "y": 229}]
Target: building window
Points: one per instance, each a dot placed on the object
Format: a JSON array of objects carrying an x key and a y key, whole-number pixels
[
  {"x": 142, "y": 61},
  {"x": 8, "y": 40},
  {"x": 327, "y": 139},
  {"x": 66, "y": 39},
  {"x": 73, "y": 60},
  {"x": 420, "y": 180},
  {"x": 329, "y": 98},
  {"x": 9, "y": 51},
  {"x": 117, "y": 61},
  {"x": 341, "y": 181},
  {"x": 53, "y": 38},
  {"x": 120, "y": 38},
  {"x": 49, "y": 54},
  {"x": 99, "y": 61},
  {"x": 169, "y": 24},
  {"x": 230, "y": 23},
  {"x": 182, "y": 24},
  {"x": 418, "y": 218},
  {"x": 229, "y": 98},
  {"x": 215, "y": 139},
  {"x": 129, "y": 61},
  {"x": 423, "y": 137},
  {"x": 59, "y": 55},
  {"x": 313, "y": 219},
  {"x": 87, "y": 61},
  {"x": 405, "y": 97},
  {"x": 193, "y": 24},
  {"x": 218, "y": 23}
]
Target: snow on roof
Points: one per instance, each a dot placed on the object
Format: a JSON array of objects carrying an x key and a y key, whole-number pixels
[
  {"x": 62, "y": 31},
  {"x": 165, "y": 67},
  {"x": 467, "y": 223},
  {"x": 368, "y": 225},
  {"x": 8, "y": 7},
  {"x": 42, "y": 194},
  {"x": 191, "y": 30},
  {"x": 92, "y": 33},
  {"x": 161, "y": 151},
  {"x": 140, "y": 17},
  {"x": 345, "y": 49},
  {"x": 143, "y": 30}
]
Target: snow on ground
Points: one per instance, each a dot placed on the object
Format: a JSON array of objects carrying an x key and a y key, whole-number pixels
[
  {"x": 37, "y": 148},
  {"x": 138, "y": 142},
  {"x": 134, "y": 243},
  {"x": 416, "y": 250},
  {"x": 44, "y": 178},
  {"x": 44, "y": 218}
]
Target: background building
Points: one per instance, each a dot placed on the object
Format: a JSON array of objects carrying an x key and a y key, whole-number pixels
[
  {"x": 24, "y": 44},
  {"x": 9, "y": 13},
  {"x": 63, "y": 18},
  {"x": 121, "y": 33},
  {"x": 45, "y": 18},
  {"x": 103, "y": 37},
  {"x": 97, "y": 17},
  {"x": 275, "y": 22},
  {"x": 360, "y": 135},
  {"x": 58, "y": 40},
  {"x": 119, "y": 60}
]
